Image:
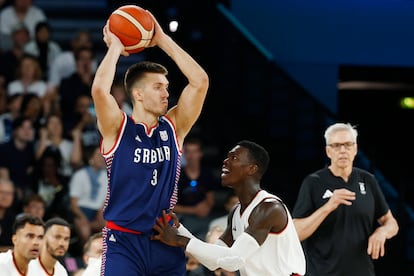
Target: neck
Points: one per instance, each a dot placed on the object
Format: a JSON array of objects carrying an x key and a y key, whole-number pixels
[
  {"x": 344, "y": 173},
  {"x": 20, "y": 262},
  {"x": 47, "y": 262},
  {"x": 19, "y": 144},
  {"x": 192, "y": 170},
  {"x": 56, "y": 140},
  {"x": 149, "y": 119},
  {"x": 247, "y": 195},
  {"x": 2, "y": 212}
]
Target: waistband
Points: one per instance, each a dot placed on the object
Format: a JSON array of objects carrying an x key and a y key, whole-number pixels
[{"x": 113, "y": 226}]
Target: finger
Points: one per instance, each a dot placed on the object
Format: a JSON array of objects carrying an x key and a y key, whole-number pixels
[
  {"x": 382, "y": 250},
  {"x": 157, "y": 228},
  {"x": 175, "y": 219},
  {"x": 164, "y": 217},
  {"x": 369, "y": 250}
]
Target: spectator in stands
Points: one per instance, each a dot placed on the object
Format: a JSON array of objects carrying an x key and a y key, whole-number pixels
[
  {"x": 77, "y": 84},
  {"x": 118, "y": 91},
  {"x": 32, "y": 108},
  {"x": 27, "y": 239},
  {"x": 195, "y": 189},
  {"x": 17, "y": 157},
  {"x": 92, "y": 256},
  {"x": 21, "y": 11},
  {"x": 88, "y": 188},
  {"x": 6, "y": 119},
  {"x": 51, "y": 134},
  {"x": 34, "y": 205},
  {"x": 10, "y": 59},
  {"x": 65, "y": 64},
  {"x": 7, "y": 213},
  {"x": 29, "y": 78},
  {"x": 84, "y": 119},
  {"x": 43, "y": 47},
  {"x": 51, "y": 185},
  {"x": 230, "y": 202}
]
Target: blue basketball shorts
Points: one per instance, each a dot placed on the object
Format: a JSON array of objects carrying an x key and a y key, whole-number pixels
[{"x": 129, "y": 254}]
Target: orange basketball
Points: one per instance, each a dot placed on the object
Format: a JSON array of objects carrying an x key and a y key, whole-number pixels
[{"x": 133, "y": 26}]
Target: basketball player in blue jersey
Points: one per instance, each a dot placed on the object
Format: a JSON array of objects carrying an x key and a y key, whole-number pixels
[{"x": 142, "y": 153}]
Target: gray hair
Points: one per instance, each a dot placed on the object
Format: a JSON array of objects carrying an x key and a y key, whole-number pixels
[{"x": 340, "y": 127}]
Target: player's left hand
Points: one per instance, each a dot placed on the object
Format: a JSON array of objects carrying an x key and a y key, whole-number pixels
[
  {"x": 376, "y": 244},
  {"x": 166, "y": 233}
]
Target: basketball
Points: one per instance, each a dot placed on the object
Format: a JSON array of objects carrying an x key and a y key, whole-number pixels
[{"x": 133, "y": 25}]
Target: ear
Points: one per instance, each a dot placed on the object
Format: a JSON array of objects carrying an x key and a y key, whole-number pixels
[
  {"x": 137, "y": 94},
  {"x": 327, "y": 151},
  {"x": 253, "y": 169},
  {"x": 14, "y": 238}
]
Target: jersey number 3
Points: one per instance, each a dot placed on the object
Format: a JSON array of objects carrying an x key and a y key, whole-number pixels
[{"x": 154, "y": 179}]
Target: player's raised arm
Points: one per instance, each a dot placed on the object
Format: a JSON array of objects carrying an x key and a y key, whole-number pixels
[
  {"x": 108, "y": 114},
  {"x": 191, "y": 101}
]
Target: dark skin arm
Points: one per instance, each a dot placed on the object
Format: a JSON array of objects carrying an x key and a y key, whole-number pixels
[{"x": 265, "y": 218}]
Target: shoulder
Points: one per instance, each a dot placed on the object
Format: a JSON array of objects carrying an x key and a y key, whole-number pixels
[
  {"x": 60, "y": 269},
  {"x": 362, "y": 172},
  {"x": 6, "y": 257},
  {"x": 270, "y": 206},
  {"x": 36, "y": 10}
]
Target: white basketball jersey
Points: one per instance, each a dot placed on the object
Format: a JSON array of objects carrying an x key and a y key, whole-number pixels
[
  {"x": 7, "y": 266},
  {"x": 35, "y": 268},
  {"x": 280, "y": 255}
]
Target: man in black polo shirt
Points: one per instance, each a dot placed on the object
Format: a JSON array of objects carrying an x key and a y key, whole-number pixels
[{"x": 337, "y": 209}]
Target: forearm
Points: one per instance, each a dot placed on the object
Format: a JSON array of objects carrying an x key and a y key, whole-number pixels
[
  {"x": 390, "y": 227},
  {"x": 305, "y": 227},
  {"x": 105, "y": 72},
  {"x": 181, "y": 209},
  {"x": 229, "y": 258},
  {"x": 188, "y": 66}
]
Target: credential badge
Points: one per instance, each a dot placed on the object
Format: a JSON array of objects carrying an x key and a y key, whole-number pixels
[{"x": 362, "y": 188}]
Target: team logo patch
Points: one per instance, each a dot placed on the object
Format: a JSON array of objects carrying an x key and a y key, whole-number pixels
[
  {"x": 112, "y": 238},
  {"x": 362, "y": 188},
  {"x": 327, "y": 194},
  {"x": 164, "y": 135}
]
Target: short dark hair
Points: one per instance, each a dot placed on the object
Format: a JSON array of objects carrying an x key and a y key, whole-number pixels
[
  {"x": 19, "y": 121},
  {"x": 33, "y": 198},
  {"x": 257, "y": 155},
  {"x": 56, "y": 221},
  {"x": 21, "y": 221},
  {"x": 136, "y": 71}
]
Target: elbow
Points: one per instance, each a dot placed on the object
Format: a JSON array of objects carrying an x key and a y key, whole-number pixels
[{"x": 202, "y": 82}]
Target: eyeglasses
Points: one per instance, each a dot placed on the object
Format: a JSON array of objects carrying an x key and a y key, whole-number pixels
[{"x": 338, "y": 146}]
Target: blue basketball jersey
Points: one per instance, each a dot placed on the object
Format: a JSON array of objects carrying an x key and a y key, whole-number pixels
[{"x": 143, "y": 170}]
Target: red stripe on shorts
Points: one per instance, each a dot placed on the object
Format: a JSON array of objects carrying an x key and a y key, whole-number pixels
[{"x": 112, "y": 225}]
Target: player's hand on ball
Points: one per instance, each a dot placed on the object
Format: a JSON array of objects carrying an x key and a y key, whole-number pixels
[
  {"x": 111, "y": 39},
  {"x": 158, "y": 32}
]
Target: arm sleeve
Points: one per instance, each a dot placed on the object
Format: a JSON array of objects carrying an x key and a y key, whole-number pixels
[
  {"x": 182, "y": 231},
  {"x": 214, "y": 256}
]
